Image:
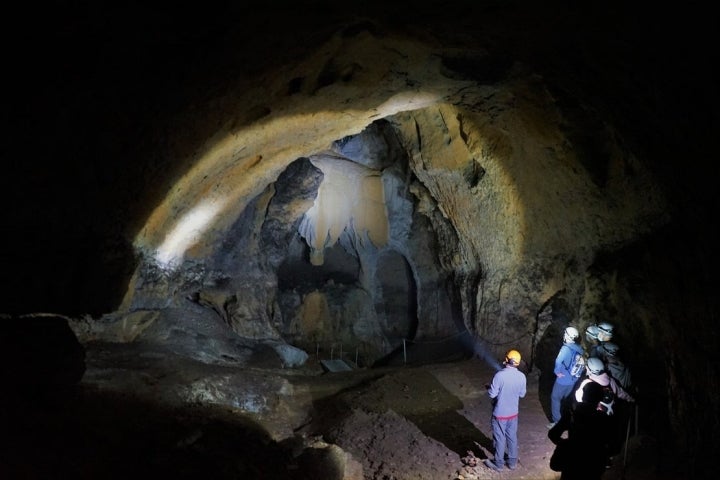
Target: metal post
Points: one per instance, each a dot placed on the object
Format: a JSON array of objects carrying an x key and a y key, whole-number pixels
[
  {"x": 637, "y": 426},
  {"x": 404, "y": 352},
  {"x": 627, "y": 440},
  {"x": 332, "y": 348}
]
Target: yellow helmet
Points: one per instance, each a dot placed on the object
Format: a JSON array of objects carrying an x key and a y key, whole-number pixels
[{"x": 513, "y": 357}]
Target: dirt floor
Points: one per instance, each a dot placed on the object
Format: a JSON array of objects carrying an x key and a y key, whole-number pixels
[
  {"x": 433, "y": 422},
  {"x": 392, "y": 423}
]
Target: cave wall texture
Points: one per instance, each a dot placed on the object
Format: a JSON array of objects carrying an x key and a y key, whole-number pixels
[{"x": 367, "y": 173}]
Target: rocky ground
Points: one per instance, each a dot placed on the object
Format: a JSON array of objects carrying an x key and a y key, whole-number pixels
[{"x": 127, "y": 419}]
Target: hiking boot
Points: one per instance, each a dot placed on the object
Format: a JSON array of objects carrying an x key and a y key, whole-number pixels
[{"x": 490, "y": 464}]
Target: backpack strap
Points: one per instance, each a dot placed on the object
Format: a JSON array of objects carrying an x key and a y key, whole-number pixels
[{"x": 567, "y": 367}]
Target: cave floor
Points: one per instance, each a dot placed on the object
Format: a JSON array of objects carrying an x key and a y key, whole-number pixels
[{"x": 402, "y": 422}]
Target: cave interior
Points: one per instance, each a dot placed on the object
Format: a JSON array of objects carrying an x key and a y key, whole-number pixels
[{"x": 255, "y": 187}]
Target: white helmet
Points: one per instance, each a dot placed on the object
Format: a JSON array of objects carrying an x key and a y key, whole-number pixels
[
  {"x": 595, "y": 365},
  {"x": 611, "y": 348},
  {"x": 570, "y": 335},
  {"x": 591, "y": 332},
  {"x": 605, "y": 331}
]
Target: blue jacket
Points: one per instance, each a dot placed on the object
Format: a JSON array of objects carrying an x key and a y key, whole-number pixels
[
  {"x": 563, "y": 363},
  {"x": 508, "y": 387}
]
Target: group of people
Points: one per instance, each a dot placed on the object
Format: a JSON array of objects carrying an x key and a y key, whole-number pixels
[
  {"x": 588, "y": 401},
  {"x": 592, "y": 407}
]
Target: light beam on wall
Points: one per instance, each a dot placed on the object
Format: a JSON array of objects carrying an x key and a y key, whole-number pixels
[
  {"x": 236, "y": 165},
  {"x": 187, "y": 232}
]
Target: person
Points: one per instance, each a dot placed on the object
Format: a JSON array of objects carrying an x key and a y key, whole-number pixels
[
  {"x": 591, "y": 336},
  {"x": 508, "y": 386},
  {"x": 590, "y": 394},
  {"x": 597, "y": 374},
  {"x": 582, "y": 453},
  {"x": 620, "y": 372},
  {"x": 605, "y": 331},
  {"x": 596, "y": 335},
  {"x": 605, "y": 334},
  {"x": 565, "y": 378},
  {"x": 616, "y": 367},
  {"x": 588, "y": 423}
]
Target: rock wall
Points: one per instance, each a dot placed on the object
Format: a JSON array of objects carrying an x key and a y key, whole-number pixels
[{"x": 477, "y": 215}]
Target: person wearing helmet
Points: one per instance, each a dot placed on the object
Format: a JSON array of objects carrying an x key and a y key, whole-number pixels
[
  {"x": 568, "y": 370},
  {"x": 508, "y": 386},
  {"x": 615, "y": 366},
  {"x": 597, "y": 373},
  {"x": 591, "y": 334},
  {"x": 619, "y": 371},
  {"x": 611, "y": 348},
  {"x": 583, "y": 453},
  {"x": 605, "y": 331},
  {"x": 585, "y": 447},
  {"x": 596, "y": 335},
  {"x": 596, "y": 405}
]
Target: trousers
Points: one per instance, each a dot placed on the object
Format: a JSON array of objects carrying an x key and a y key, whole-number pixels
[{"x": 505, "y": 441}]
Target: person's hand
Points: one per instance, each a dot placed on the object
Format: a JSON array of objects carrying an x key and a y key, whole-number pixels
[{"x": 487, "y": 386}]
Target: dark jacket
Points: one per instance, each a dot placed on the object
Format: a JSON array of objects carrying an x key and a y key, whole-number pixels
[{"x": 584, "y": 453}]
